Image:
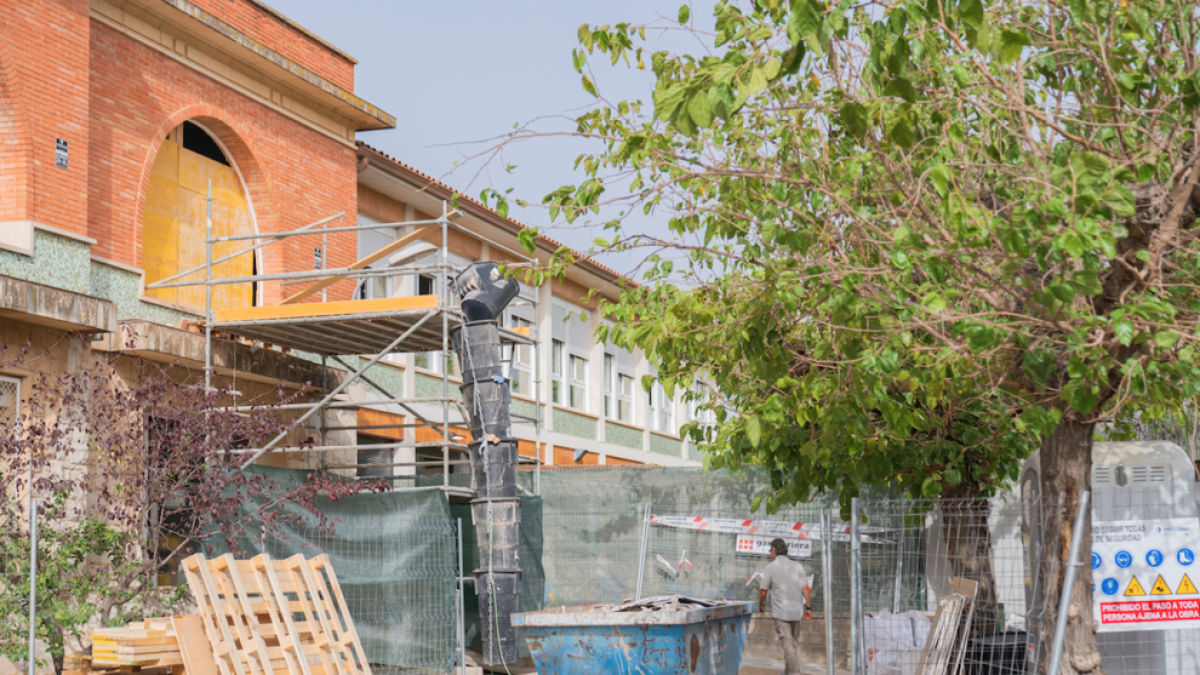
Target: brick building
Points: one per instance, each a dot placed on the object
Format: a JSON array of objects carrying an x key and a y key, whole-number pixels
[{"x": 119, "y": 118}]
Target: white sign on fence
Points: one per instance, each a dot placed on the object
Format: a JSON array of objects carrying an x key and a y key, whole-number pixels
[
  {"x": 755, "y": 545},
  {"x": 1144, "y": 574}
]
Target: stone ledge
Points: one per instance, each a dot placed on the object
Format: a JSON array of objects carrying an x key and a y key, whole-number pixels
[
  {"x": 43, "y": 305},
  {"x": 165, "y": 344}
]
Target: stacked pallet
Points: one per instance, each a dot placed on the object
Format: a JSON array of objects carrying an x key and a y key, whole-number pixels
[
  {"x": 271, "y": 617},
  {"x": 171, "y": 645},
  {"x": 147, "y": 644}
]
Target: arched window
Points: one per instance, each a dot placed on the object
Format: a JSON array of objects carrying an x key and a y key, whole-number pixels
[{"x": 173, "y": 224}]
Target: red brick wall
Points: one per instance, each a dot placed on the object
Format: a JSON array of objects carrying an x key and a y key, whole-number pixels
[
  {"x": 44, "y": 96},
  {"x": 294, "y": 175},
  {"x": 282, "y": 37}
]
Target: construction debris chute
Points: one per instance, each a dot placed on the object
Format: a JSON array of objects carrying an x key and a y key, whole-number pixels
[{"x": 496, "y": 509}]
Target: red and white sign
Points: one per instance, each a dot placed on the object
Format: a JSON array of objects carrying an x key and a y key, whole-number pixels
[
  {"x": 751, "y": 544},
  {"x": 1145, "y": 574},
  {"x": 770, "y": 529}
]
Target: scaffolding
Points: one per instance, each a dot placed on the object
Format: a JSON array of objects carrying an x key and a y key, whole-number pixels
[{"x": 338, "y": 330}]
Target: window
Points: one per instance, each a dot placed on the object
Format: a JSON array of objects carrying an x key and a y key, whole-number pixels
[
  {"x": 556, "y": 371},
  {"x": 618, "y": 392},
  {"x": 661, "y": 409},
  {"x": 609, "y": 393},
  {"x": 10, "y": 402},
  {"x": 696, "y": 411},
  {"x": 370, "y": 241},
  {"x": 433, "y": 360},
  {"x": 579, "y": 377},
  {"x": 521, "y": 368},
  {"x": 625, "y": 398},
  {"x": 425, "y": 285}
]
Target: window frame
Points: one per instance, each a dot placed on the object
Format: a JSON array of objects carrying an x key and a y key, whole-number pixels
[
  {"x": 660, "y": 406},
  {"x": 558, "y": 349},
  {"x": 16, "y": 401},
  {"x": 574, "y": 383}
]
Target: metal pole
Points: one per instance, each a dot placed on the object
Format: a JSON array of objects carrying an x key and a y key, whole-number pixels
[
  {"x": 827, "y": 577},
  {"x": 855, "y": 587},
  {"x": 462, "y": 633},
  {"x": 1064, "y": 601},
  {"x": 33, "y": 526},
  {"x": 642, "y": 557},
  {"x": 899, "y": 569},
  {"x": 445, "y": 305},
  {"x": 208, "y": 317}
]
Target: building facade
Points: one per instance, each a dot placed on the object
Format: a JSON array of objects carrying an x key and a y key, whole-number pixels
[{"x": 122, "y": 120}]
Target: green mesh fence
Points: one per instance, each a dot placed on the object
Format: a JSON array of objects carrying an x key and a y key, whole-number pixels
[{"x": 396, "y": 559}]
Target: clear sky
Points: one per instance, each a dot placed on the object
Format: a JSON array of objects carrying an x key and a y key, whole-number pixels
[{"x": 465, "y": 70}]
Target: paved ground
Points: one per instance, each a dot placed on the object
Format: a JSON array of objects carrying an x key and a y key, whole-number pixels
[{"x": 757, "y": 665}]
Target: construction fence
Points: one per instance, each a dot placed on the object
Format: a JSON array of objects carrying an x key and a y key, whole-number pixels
[{"x": 909, "y": 587}]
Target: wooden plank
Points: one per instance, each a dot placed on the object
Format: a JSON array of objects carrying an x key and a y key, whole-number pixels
[
  {"x": 320, "y": 309},
  {"x": 321, "y": 562},
  {"x": 249, "y": 641},
  {"x": 281, "y": 618},
  {"x": 212, "y": 608},
  {"x": 361, "y": 264},
  {"x": 323, "y": 635},
  {"x": 193, "y": 645}
]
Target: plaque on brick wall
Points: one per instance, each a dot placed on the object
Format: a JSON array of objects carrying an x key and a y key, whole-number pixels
[
  {"x": 60, "y": 153},
  {"x": 317, "y": 259}
]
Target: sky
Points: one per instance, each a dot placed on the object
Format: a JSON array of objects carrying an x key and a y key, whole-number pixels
[{"x": 466, "y": 70}]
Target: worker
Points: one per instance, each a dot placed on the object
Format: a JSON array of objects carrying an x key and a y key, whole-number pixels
[{"x": 791, "y": 596}]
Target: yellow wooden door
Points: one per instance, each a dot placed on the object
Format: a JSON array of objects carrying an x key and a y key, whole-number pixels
[{"x": 173, "y": 227}]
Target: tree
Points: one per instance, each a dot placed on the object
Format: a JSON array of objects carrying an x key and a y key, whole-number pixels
[
  {"x": 884, "y": 212},
  {"x": 135, "y": 467}
]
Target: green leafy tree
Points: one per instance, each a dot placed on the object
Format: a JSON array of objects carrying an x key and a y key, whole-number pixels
[{"x": 886, "y": 216}]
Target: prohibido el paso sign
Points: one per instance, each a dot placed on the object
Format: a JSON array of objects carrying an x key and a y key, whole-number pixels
[{"x": 1144, "y": 574}]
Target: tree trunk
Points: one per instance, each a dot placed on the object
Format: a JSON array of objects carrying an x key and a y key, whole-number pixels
[
  {"x": 1066, "y": 463},
  {"x": 965, "y": 517}
]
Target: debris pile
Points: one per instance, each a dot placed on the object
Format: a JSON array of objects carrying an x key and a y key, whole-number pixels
[{"x": 661, "y": 603}]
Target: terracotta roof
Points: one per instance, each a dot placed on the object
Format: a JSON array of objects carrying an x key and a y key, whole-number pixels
[{"x": 514, "y": 226}]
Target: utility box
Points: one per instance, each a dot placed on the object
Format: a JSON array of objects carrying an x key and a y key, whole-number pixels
[{"x": 1135, "y": 480}]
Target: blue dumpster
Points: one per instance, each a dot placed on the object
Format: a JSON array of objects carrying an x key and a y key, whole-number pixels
[{"x": 588, "y": 641}]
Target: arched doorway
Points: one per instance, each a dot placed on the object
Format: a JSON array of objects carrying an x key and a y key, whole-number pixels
[{"x": 173, "y": 223}]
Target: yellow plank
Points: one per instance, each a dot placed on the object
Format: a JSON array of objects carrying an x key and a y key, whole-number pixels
[
  {"x": 319, "y": 309},
  {"x": 160, "y": 227},
  {"x": 360, "y": 264}
]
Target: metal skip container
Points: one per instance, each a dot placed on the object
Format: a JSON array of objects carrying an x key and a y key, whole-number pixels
[{"x": 589, "y": 641}]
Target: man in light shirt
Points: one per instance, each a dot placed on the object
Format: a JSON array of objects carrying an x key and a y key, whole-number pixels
[{"x": 787, "y": 584}]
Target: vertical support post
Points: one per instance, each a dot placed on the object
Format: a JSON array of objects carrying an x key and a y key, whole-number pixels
[
  {"x": 1064, "y": 601},
  {"x": 537, "y": 392},
  {"x": 827, "y": 578},
  {"x": 33, "y": 528},
  {"x": 444, "y": 276},
  {"x": 642, "y": 557},
  {"x": 856, "y": 598},
  {"x": 322, "y": 421},
  {"x": 899, "y": 567},
  {"x": 208, "y": 288},
  {"x": 462, "y": 633}
]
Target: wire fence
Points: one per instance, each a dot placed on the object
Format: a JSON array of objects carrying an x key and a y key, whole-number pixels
[{"x": 955, "y": 586}]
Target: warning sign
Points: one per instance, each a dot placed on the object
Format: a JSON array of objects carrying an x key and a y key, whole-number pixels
[
  {"x": 1186, "y": 587},
  {"x": 1134, "y": 588},
  {"x": 1139, "y": 569}
]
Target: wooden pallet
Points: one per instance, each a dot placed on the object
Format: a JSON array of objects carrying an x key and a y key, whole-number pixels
[{"x": 270, "y": 617}]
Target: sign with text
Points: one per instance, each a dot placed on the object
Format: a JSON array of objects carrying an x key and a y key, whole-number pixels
[
  {"x": 757, "y": 545},
  {"x": 1142, "y": 574}
]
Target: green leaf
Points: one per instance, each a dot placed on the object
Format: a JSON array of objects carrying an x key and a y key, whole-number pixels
[
  {"x": 1012, "y": 42},
  {"x": 700, "y": 109},
  {"x": 931, "y": 488},
  {"x": 527, "y": 237},
  {"x": 754, "y": 430},
  {"x": 1121, "y": 200},
  {"x": 1165, "y": 339},
  {"x": 953, "y": 477},
  {"x": 900, "y": 131},
  {"x": 940, "y": 175},
  {"x": 758, "y": 81},
  {"x": 971, "y": 13},
  {"x": 578, "y": 59},
  {"x": 685, "y": 13},
  {"x": 934, "y": 302},
  {"x": 589, "y": 87},
  {"x": 901, "y": 88},
  {"x": 1124, "y": 331},
  {"x": 804, "y": 20},
  {"x": 502, "y": 207},
  {"x": 854, "y": 119}
]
